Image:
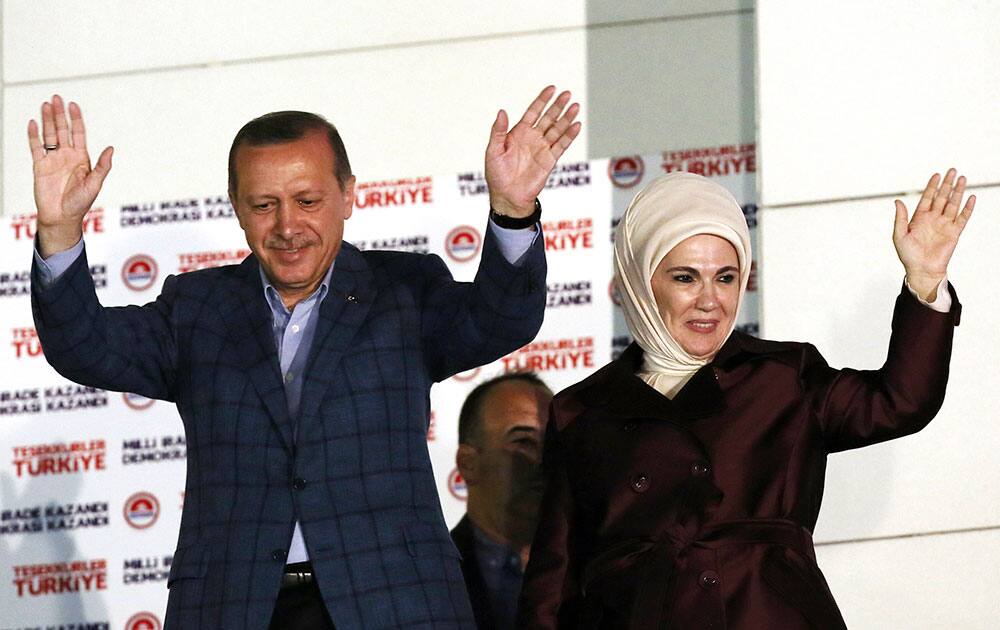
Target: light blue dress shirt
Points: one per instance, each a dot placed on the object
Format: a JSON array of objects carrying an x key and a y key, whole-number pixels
[{"x": 500, "y": 567}]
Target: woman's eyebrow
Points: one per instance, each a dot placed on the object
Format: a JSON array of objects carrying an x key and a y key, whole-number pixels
[{"x": 690, "y": 270}]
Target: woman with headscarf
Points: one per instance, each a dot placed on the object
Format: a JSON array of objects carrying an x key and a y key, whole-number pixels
[{"x": 685, "y": 477}]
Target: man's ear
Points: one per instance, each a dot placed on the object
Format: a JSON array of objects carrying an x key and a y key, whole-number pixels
[
  {"x": 236, "y": 210},
  {"x": 349, "y": 197},
  {"x": 467, "y": 460}
]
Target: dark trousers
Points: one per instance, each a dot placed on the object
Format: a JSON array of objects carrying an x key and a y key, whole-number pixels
[{"x": 300, "y": 608}]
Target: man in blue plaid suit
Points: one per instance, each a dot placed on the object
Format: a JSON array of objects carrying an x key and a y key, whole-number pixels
[{"x": 302, "y": 375}]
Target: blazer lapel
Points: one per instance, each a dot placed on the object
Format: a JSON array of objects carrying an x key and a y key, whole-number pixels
[
  {"x": 250, "y": 327},
  {"x": 343, "y": 311}
]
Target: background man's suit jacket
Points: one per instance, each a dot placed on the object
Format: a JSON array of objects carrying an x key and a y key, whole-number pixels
[
  {"x": 358, "y": 477},
  {"x": 479, "y": 595}
]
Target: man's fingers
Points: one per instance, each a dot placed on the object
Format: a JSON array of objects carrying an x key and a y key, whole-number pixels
[
  {"x": 48, "y": 126},
  {"x": 901, "y": 225},
  {"x": 62, "y": 125},
  {"x": 35, "y": 142},
  {"x": 104, "y": 161},
  {"x": 95, "y": 178},
  {"x": 535, "y": 109},
  {"x": 79, "y": 132},
  {"x": 552, "y": 113},
  {"x": 500, "y": 124},
  {"x": 497, "y": 133},
  {"x": 565, "y": 140},
  {"x": 561, "y": 125}
]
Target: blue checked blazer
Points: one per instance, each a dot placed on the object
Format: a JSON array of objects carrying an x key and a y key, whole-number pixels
[{"x": 358, "y": 478}]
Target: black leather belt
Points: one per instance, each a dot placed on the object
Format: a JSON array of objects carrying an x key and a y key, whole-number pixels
[{"x": 297, "y": 574}]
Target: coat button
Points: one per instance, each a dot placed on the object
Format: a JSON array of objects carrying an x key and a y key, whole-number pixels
[
  {"x": 700, "y": 469},
  {"x": 299, "y": 483},
  {"x": 640, "y": 483},
  {"x": 629, "y": 426},
  {"x": 352, "y": 298},
  {"x": 278, "y": 554},
  {"x": 709, "y": 579}
]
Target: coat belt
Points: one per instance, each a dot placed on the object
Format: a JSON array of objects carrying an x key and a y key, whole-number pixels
[{"x": 655, "y": 559}]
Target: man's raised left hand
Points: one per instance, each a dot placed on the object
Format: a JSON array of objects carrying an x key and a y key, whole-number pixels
[{"x": 519, "y": 161}]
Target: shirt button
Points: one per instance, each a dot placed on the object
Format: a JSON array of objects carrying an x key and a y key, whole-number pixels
[
  {"x": 278, "y": 554},
  {"x": 295, "y": 328},
  {"x": 629, "y": 426},
  {"x": 699, "y": 469},
  {"x": 709, "y": 579},
  {"x": 289, "y": 377},
  {"x": 299, "y": 483},
  {"x": 640, "y": 483}
]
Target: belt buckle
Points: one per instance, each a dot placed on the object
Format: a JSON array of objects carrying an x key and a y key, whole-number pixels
[{"x": 302, "y": 576}]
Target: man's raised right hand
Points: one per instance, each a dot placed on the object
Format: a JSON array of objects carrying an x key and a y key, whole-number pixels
[{"x": 65, "y": 184}]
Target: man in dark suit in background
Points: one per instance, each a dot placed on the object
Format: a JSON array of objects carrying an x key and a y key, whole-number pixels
[
  {"x": 301, "y": 375},
  {"x": 500, "y": 431}
]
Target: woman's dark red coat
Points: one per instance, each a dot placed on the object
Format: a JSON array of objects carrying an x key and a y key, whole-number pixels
[{"x": 697, "y": 512}]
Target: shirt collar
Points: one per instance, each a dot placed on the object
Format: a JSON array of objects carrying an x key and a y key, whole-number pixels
[
  {"x": 496, "y": 554},
  {"x": 274, "y": 299}
]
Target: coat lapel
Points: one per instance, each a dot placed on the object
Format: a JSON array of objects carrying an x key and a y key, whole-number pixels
[
  {"x": 703, "y": 395},
  {"x": 343, "y": 311},
  {"x": 250, "y": 327},
  {"x": 626, "y": 395}
]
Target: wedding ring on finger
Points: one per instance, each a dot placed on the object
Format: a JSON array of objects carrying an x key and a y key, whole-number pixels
[{"x": 50, "y": 147}]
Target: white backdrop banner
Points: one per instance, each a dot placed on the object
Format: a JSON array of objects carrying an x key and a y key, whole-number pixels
[{"x": 92, "y": 482}]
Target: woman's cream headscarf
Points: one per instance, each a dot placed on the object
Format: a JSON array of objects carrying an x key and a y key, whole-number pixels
[{"x": 664, "y": 213}]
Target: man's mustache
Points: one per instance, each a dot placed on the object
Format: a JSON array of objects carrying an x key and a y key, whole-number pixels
[{"x": 284, "y": 244}]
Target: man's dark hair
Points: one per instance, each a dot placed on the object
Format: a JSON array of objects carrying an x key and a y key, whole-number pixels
[
  {"x": 289, "y": 126},
  {"x": 470, "y": 417}
]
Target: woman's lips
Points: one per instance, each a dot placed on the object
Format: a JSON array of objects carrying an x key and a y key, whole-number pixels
[{"x": 702, "y": 326}]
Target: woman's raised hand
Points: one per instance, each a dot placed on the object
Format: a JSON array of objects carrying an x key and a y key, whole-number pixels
[
  {"x": 65, "y": 184},
  {"x": 926, "y": 241}
]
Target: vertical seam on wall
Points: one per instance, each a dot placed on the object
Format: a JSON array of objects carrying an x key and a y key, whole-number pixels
[
  {"x": 759, "y": 178},
  {"x": 3, "y": 99}
]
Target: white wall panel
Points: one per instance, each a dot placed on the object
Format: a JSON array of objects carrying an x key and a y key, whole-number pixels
[
  {"x": 401, "y": 111},
  {"x": 829, "y": 275},
  {"x": 49, "y": 39},
  {"x": 860, "y": 98},
  {"x": 925, "y": 583},
  {"x": 155, "y": 34},
  {"x": 411, "y": 111},
  {"x": 601, "y": 11},
  {"x": 670, "y": 84}
]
